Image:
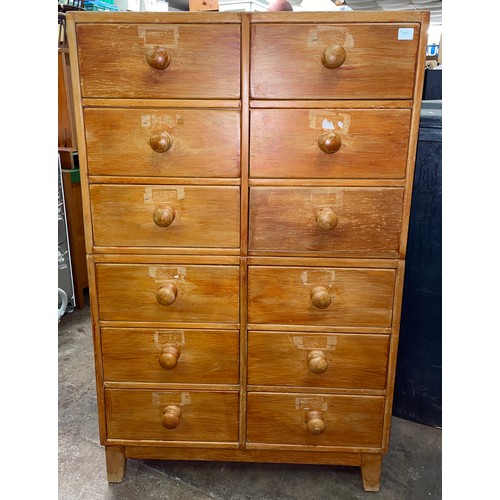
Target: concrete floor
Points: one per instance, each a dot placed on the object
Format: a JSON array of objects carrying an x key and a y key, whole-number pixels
[{"x": 411, "y": 469}]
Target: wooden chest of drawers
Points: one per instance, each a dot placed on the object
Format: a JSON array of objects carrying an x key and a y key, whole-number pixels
[{"x": 247, "y": 183}]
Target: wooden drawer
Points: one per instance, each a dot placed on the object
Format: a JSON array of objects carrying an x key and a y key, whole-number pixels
[
  {"x": 364, "y": 222},
  {"x": 343, "y": 297},
  {"x": 201, "y": 142},
  {"x": 170, "y": 356},
  {"x": 286, "y": 61},
  {"x": 348, "y": 361},
  {"x": 204, "y": 60},
  {"x": 349, "y": 421},
  {"x": 286, "y": 143},
  {"x": 142, "y": 415},
  {"x": 198, "y": 293},
  {"x": 166, "y": 216}
]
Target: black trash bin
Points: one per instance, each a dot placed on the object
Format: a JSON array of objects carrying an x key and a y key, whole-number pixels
[{"x": 418, "y": 394}]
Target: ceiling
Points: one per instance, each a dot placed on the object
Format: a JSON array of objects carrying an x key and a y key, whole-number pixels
[{"x": 434, "y": 6}]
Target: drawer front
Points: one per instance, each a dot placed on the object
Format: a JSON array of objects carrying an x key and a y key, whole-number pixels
[
  {"x": 352, "y": 421},
  {"x": 163, "y": 143},
  {"x": 286, "y": 61},
  {"x": 167, "y": 293},
  {"x": 286, "y": 143},
  {"x": 166, "y": 216},
  {"x": 204, "y": 416},
  {"x": 320, "y": 296},
  {"x": 203, "y": 60},
  {"x": 170, "y": 356},
  {"x": 364, "y": 222},
  {"x": 318, "y": 360}
]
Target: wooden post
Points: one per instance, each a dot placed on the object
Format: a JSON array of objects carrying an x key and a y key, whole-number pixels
[
  {"x": 371, "y": 468},
  {"x": 115, "y": 463}
]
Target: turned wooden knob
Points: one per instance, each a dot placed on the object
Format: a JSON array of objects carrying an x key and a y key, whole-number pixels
[
  {"x": 317, "y": 361},
  {"x": 329, "y": 142},
  {"x": 166, "y": 294},
  {"x": 333, "y": 56},
  {"x": 171, "y": 416},
  {"x": 158, "y": 57},
  {"x": 160, "y": 142},
  {"x": 327, "y": 219},
  {"x": 169, "y": 357},
  {"x": 164, "y": 216},
  {"x": 320, "y": 297},
  {"x": 315, "y": 422}
]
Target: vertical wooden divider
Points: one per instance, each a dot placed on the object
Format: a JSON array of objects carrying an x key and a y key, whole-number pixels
[
  {"x": 89, "y": 242},
  {"x": 393, "y": 353},
  {"x": 80, "y": 133},
  {"x": 412, "y": 146},
  {"x": 244, "y": 148}
]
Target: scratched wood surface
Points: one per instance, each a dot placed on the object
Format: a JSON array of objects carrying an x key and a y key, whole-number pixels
[
  {"x": 285, "y": 143},
  {"x": 359, "y": 297},
  {"x": 354, "y": 421},
  {"x": 205, "y": 293},
  {"x": 286, "y": 61},
  {"x": 204, "y": 356},
  {"x": 205, "y": 416},
  {"x": 205, "y": 143},
  {"x": 354, "y": 361},
  {"x": 288, "y": 219},
  {"x": 203, "y": 216},
  {"x": 205, "y": 61}
]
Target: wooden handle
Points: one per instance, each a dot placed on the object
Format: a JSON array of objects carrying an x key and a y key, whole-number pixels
[
  {"x": 315, "y": 422},
  {"x": 164, "y": 216},
  {"x": 333, "y": 56},
  {"x": 329, "y": 142},
  {"x": 327, "y": 219},
  {"x": 320, "y": 297},
  {"x": 169, "y": 357},
  {"x": 317, "y": 361},
  {"x": 171, "y": 416},
  {"x": 160, "y": 142},
  {"x": 158, "y": 57},
  {"x": 166, "y": 294}
]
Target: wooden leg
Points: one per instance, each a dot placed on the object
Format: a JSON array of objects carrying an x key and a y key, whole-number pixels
[
  {"x": 371, "y": 468},
  {"x": 115, "y": 463}
]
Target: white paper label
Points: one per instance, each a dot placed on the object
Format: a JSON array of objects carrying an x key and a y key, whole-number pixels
[{"x": 405, "y": 34}]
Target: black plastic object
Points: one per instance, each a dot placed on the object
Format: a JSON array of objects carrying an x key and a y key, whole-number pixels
[
  {"x": 418, "y": 389},
  {"x": 433, "y": 84}
]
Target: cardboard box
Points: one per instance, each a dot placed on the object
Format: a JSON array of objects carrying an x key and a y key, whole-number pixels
[{"x": 199, "y": 5}]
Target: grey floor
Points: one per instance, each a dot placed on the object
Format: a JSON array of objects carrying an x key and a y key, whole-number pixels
[{"x": 411, "y": 469}]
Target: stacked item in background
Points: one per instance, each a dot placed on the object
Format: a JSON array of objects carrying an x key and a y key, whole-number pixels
[{"x": 100, "y": 5}]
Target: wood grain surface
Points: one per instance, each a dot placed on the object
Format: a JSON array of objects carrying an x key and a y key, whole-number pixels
[
  {"x": 282, "y": 295},
  {"x": 354, "y": 361},
  {"x": 206, "y": 356},
  {"x": 286, "y": 61},
  {"x": 205, "y": 293},
  {"x": 353, "y": 421},
  {"x": 286, "y": 219},
  {"x": 204, "y": 216},
  {"x": 285, "y": 143},
  {"x": 205, "y": 416},
  {"x": 205, "y": 143},
  {"x": 205, "y": 61}
]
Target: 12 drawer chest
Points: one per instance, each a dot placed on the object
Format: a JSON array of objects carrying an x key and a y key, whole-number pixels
[{"x": 247, "y": 184}]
